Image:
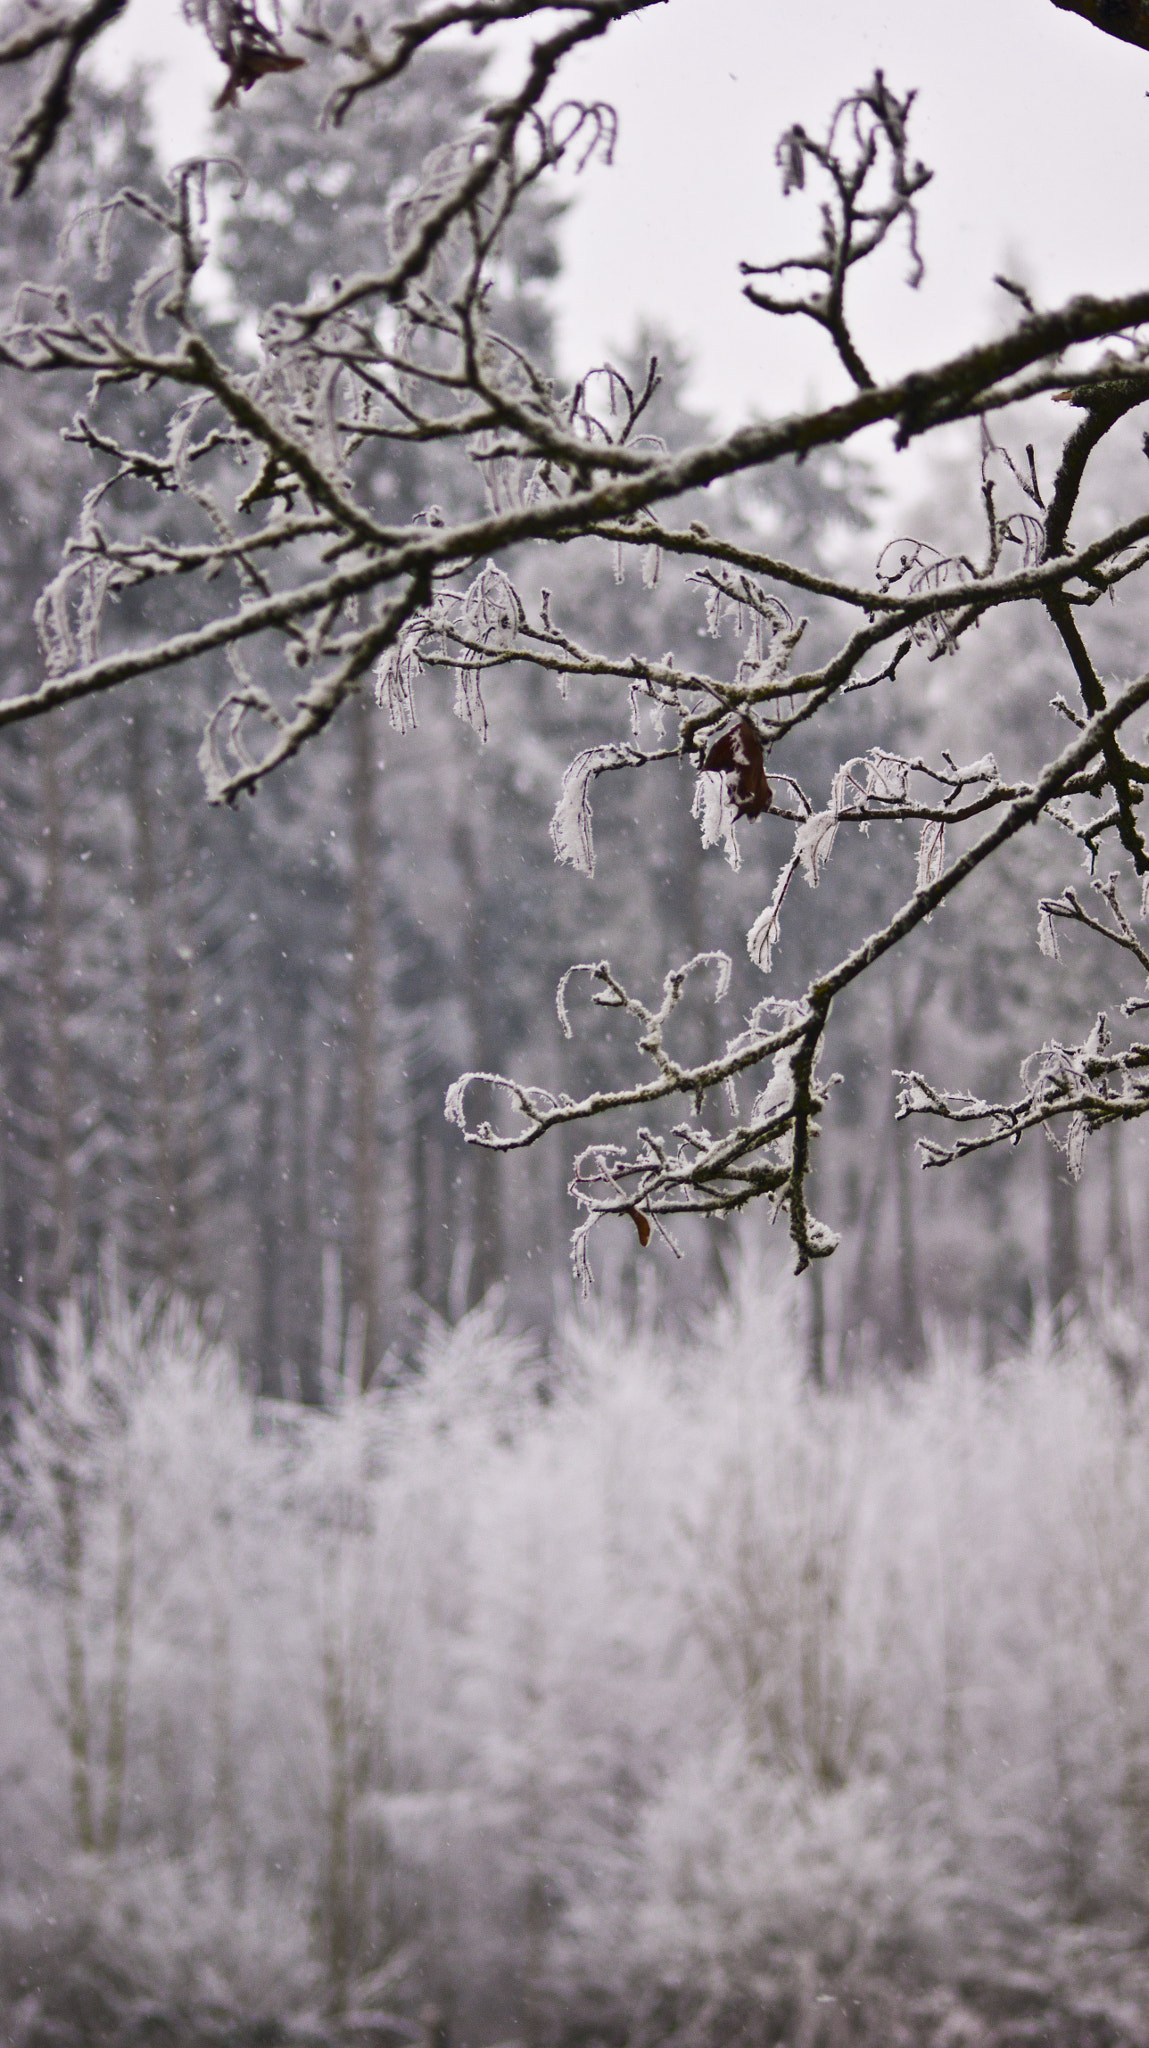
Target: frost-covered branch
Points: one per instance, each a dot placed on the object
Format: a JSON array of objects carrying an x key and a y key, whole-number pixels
[
  {"x": 873, "y": 123},
  {"x": 769, "y": 1152},
  {"x": 1085, "y": 1086},
  {"x": 67, "y": 36},
  {"x": 259, "y": 494}
]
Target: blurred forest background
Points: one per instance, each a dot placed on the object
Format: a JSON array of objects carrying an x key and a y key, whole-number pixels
[
  {"x": 225, "y": 1039},
  {"x": 402, "y": 1661},
  {"x": 647, "y": 1696}
]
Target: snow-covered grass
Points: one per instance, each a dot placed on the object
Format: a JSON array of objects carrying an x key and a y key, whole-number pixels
[{"x": 653, "y": 1698}]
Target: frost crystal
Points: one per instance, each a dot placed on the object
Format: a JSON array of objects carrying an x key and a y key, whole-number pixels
[
  {"x": 822, "y": 1239},
  {"x": 779, "y": 1089},
  {"x": 571, "y": 826},
  {"x": 395, "y": 682},
  {"x": 716, "y": 815},
  {"x": 763, "y": 935},
  {"x": 814, "y": 843},
  {"x": 931, "y": 854},
  {"x": 1047, "y": 935},
  {"x": 491, "y": 611}
]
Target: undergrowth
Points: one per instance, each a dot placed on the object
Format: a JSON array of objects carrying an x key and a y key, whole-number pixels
[{"x": 649, "y": 1698}]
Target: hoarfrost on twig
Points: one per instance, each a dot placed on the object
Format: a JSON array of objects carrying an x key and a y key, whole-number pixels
[
  {"x": 763, "y": 935},
  {"x": 571, "y": 825}
]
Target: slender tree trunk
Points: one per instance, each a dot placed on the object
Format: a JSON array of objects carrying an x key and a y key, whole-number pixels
[
  {"x": 195, "y": 1176},
  {"x": 17, "y": 1249},
  {"x": 1063, "y": 1247},
  {"x": 488, "y": 1264},
  {"x": 338, "y": 1872},
  {"x": 487, "y": 1255},
  {"x": 116, "y": 1759},
  {"x": 11, "y": 1246},
  {"x": 265, "y": 1206},
  {"x": 816, "y": 1323},
  {"x": 330, "y": 1324},
  {"x": 330, "y": 1191},
  {"x": 689, "y": 877},
  {"x": 225, "y": 1787},
  {"x": 910, "y": 1336},
  {"x": 909, "y": 1333},
  {"x": 364, "y": 1278},
  {"x": 1118, "y": 1234},
  {"x": 75, "y": 1665},
  {"x": 420, "y": 1224},
  {"x": 433, "y": 1203},
  {"x": 304, "y": 1223},
  {"x": 55, "y": 1011},
  {"x": 869, "y": 1224},
  {"x": 163, "y": 1254}
]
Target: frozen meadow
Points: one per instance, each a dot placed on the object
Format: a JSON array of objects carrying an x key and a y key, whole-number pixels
[{"x": 639, "y": 1695}]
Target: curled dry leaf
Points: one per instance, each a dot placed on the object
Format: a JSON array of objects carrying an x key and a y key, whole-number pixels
[
  {"x": 738, "y": 755},
  {"x": 641, "y": 1224},
  {"x": 251, "y": 61}
]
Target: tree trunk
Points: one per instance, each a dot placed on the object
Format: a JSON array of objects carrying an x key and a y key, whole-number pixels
[
  {"x": 337, "y": 1875},
  {"x": 304, "y": 1224},
  {"x": 75, "y": 1663},
  {"x": 116, "y": 1755},
  {"x": 1063, "y": 1248},
  {"x": 419, "y": 1207},
  {"x": 705, "y": 1041},
  {"x": 910, "y": 1335},
  {"x": 869, "y": 1220},
  {"x": 487, "y": 1247},
  {"x": 54, "y": 999},
  {"x": 363, "y": 1277},
  {"x": 225, "y": 1782},
  {"x": 1118, "y": 1235},
  {"x": 816, "y": 1323},
  {"x": 268, "y": 1249},
  {"x": 909, "y": 1342},
  {"x": 162, "y": 1255},
  {"x": 190, "y": 1055}
]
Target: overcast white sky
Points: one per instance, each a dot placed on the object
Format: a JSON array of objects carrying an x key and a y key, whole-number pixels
[{"x": 1037, "y": 128}]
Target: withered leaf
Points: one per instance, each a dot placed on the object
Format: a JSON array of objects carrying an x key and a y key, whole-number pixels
[
  {"x": 641, "y": 1224},
  {"x": 738, "y": 755},
  {"x": 248, "y": 64}
]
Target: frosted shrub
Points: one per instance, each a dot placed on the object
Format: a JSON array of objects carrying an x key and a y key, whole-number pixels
[{"x": 638, "y": 1695}]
